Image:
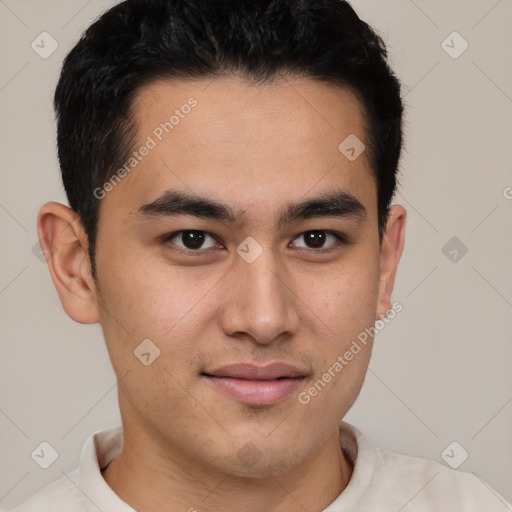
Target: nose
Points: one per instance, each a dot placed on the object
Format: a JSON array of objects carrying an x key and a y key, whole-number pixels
[{"x": 260, "y": 303}]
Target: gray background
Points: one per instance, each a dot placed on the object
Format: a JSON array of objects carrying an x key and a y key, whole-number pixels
[{"x": 440, "y": 371}]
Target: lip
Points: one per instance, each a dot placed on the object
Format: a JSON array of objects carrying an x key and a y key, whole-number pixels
[{"x": 256, "y": 385}]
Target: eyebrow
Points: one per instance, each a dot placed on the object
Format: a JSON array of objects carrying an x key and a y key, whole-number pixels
[{"x": 333, "y": 204}]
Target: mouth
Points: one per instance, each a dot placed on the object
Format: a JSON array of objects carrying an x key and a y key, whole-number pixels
[{"x": 256, "y": 385}]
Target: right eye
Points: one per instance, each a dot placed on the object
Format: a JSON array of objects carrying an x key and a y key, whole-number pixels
[{"x": 191, "y": 240}]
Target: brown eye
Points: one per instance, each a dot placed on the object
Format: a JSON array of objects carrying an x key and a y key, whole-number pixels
[
  {"x": 191, "y": 240},
  {"x": 316, "y": 239}
]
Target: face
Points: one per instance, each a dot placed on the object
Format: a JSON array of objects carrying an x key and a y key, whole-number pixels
[{"x": 243, "y": 244}]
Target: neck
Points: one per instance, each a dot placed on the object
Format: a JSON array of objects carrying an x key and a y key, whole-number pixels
[{"x": 151, "y": 482}]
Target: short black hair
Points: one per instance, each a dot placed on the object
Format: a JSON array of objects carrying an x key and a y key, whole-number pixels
[{"x": 140, "y": 41}]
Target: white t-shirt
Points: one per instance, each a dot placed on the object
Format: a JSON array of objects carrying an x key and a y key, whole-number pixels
[{"x": 382, "y": 481}]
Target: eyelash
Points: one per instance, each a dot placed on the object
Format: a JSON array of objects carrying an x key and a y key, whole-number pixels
[{"x": 341, "y": 239}]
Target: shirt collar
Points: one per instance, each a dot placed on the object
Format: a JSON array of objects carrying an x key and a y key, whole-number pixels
[
  {"x": 105, "y": 445},
  {"x": 98, "y": 451},
  {"x": 363, "y": 457}
]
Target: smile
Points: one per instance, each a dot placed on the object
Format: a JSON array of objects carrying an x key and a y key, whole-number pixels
[{"x": 254, "y": 385}]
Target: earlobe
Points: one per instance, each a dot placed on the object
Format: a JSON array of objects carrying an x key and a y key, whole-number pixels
[
  {"x": 64, "y": 244},
  {"x": 391, "y": 250}
]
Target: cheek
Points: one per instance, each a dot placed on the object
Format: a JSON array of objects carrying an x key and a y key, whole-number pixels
[
  {"x": 341, "y": 306},
  {"x": 152, "y": 297},
  {"x": 344, "y": 298},
  {"x": 342, "y": 316},
  {"x": 161, "y": 307}
]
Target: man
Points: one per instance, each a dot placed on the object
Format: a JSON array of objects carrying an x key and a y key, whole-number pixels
[{"x": 230, "y": 168}]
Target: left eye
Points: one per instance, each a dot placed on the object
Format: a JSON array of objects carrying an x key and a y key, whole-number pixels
[{"x": 317, "y": 238}]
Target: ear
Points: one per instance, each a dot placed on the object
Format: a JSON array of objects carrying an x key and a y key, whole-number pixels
[
  {"x": 391, "y": 250},
  {"x": 64, "y": 245}
]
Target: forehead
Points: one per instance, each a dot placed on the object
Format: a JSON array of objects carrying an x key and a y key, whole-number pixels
[
  {"x": 250, "y": 143},
  {"x": 231, "y": 110}
]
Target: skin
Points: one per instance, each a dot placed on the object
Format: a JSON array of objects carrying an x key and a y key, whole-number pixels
[{"x": 256, "y": 148}]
